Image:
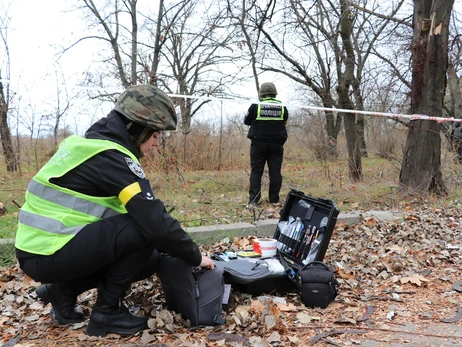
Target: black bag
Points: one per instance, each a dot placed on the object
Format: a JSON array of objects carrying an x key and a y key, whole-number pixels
[
  {"x": 196, "y": 293},
  {"x": 317, "y": 284}
]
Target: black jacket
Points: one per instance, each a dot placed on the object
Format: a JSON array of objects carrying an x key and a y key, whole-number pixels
[
  {"x": 107, "y": 173},
  {"x": 266, "y": 130}
]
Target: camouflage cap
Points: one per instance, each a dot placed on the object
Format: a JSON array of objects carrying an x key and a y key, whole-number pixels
[
  {"x": 267, "y": 89},
  {"x": 147, "y": 105}
]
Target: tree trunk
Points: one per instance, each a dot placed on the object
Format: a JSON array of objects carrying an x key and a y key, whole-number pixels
[
  {"x": 333, "y": 125},
  {"x": 421, "y": 166},
  {"x": 153, "y": 79},
  {"x": 5, "y": 134},
  {"x": 345, "y": 82},
  {"x": 360, "y": 125},
  {"x": 7, "y": 145}
]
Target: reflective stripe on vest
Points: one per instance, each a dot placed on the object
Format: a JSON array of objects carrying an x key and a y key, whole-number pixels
[
  {"x": 270, "y": 112},
  {"x": 47, "y": 224},
  {"x": 67, "y": 200},
  {"x": 52, "y": 215}
]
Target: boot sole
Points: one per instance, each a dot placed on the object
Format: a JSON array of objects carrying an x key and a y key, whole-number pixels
[
  {"x": 46, "y": 297},
  {"x": 102, "y": 330}
]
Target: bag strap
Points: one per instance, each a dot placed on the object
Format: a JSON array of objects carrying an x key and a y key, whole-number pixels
[
  {"x": 288, "y": 269},
  {"x": 335, "y": 286}
]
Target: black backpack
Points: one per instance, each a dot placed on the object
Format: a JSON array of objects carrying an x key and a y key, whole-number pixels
[{"x": 317, "y": 285}]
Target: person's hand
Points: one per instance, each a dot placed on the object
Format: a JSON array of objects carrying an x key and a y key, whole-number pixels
[{"x": 207, "y": 263}]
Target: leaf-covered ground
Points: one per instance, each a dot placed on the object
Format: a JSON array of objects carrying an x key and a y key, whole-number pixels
[{"x": 392, "y": 274}]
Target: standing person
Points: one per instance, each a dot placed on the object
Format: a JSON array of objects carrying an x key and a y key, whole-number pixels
[
  {"x": 91, "y": 220},
  {"x": 268, "y": 134}
]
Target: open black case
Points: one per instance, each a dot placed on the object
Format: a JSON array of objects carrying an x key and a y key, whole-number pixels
[
  {"x": 305, "y": 228},
  {"x": 303, "y": 233}
]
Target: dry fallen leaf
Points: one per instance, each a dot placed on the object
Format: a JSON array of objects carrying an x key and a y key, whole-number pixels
[
  {"x": 414, "y": 279},
  {"x": 274, "y": 337},
  {"x": 286, "y": 308},
  {"x": 457, "y": 286},
  {"x": 257, "y": 306},
  {"x": 305, "y": 318},
  {"x": 371, "y": 221},
  {"x": 428, "y": 245},
  {"x": 275, "y": 312},
  {"x": 242, "y": 243},
  {"x": 413, "y": 218}
]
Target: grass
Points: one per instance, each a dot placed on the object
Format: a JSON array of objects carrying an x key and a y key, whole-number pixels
[
  {"x": 207, "y": 197},
  {"x": 8, "y": 225},
  {"x": 198, "y": 198},
  {"x": 12, "y": 192},
  {"x": 7, "y": 255}
]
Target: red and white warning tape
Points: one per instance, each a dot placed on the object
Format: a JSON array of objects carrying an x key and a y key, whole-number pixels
[{"x": 337, "y": 110}]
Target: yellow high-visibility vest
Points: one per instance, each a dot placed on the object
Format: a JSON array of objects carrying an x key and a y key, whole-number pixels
[{"x": 53, "y": 215}]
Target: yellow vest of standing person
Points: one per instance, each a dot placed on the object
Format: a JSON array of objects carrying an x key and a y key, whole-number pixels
[
  {"x": 53, "y": 215},
  {"x": 267, "y": 112}
]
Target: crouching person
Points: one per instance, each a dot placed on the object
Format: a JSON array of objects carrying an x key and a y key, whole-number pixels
[{"x": 91, "y": 220}]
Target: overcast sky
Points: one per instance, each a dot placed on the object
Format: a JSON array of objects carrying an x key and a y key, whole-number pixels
[{"x": 36, "y": 33}]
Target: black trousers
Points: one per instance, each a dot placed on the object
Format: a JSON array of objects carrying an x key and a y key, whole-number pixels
[
  {"x": 260, "y": 154},
  {"x": 109, "y": 254}
]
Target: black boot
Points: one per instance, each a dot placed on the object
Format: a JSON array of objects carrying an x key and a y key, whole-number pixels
[
  {"x": 63, "y": 301},
  {"x": 112, "y": 316}
]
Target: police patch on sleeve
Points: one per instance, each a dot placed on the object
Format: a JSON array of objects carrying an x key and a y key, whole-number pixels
[{"x": 135, "y": 167}]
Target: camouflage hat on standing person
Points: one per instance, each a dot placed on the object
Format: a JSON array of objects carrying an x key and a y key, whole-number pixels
[
  {"x": 147, "y": 105},
  {"x": 267, "y": 89}
]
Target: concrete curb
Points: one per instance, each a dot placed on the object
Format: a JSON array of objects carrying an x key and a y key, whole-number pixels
[{"x": 266, "y": 228}]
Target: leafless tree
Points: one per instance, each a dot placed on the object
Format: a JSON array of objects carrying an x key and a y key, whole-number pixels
[
  {"x": 114, "y": 23},
  {"x": 60, "y": 108},
  {"x": 453, "y": 102},
  {"x": 324, "y": 46},
  {"x": 11, "y": 160},
  {"x": 281, "y": 39},
  {"x": 243, "y": 14},
  {"x": 421, "y": 166},
  {"x": 157, "y": 45},
  {"x": 200, "y": 55},
  {"x": 186, "y": 49}
]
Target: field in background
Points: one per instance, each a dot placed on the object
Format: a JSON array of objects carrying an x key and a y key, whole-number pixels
[{"x": 203, "y": 185}]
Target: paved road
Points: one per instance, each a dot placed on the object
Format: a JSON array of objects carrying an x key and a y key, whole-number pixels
[{"x": 428, "y": 334}]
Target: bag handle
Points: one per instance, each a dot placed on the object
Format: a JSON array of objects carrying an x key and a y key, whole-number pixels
[
  {"x": 317, "y": 263},
  {"x": 334, "y": 284}
]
